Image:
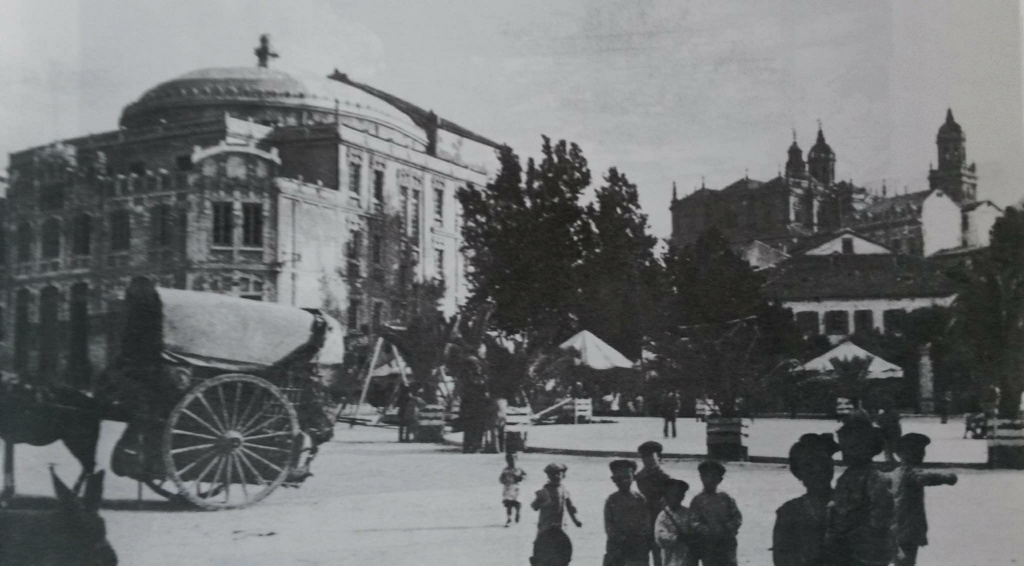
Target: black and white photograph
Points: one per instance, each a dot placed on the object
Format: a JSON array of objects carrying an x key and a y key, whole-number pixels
[{"x": 512, "y": 282}]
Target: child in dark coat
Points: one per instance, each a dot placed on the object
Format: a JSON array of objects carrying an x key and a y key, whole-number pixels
[
  {"x": 716, "y": 519},
  {"x": 908, "y": 484},
  {"x": 626, "y": 520},
  {"x": 799, "y": 533}
]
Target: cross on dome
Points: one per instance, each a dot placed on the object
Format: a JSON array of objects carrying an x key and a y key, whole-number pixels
[{"x": 264, "y": 52}]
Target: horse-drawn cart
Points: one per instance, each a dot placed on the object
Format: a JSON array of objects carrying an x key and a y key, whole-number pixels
[{"x": 225, "y": 398}]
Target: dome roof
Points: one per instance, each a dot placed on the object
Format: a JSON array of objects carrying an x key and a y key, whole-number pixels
[
  {"x": 950, "y": 128},
  {"x": 820, "y": 147},
  {"x": 233, "y": 87}
]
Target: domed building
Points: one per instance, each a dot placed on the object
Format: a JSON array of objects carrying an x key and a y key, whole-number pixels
[{"x": 269, "y": 184}]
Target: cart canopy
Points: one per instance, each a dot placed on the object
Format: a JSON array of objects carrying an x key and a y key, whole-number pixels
[{"x": 213, "y": 330}]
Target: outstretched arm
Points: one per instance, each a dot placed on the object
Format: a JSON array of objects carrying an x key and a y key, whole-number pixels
[{"x": 935, "y": 478}]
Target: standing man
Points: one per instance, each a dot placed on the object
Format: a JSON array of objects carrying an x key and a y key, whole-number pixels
[
  {"x": 669, "y": 411},
  {"x": 889, "y": 423},
  {"x": 653, "y": 484}
]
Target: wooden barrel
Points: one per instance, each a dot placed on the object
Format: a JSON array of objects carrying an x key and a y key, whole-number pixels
[
  {"x": 430, "y": 427},
  {"x": 725, "y": 439},
  {"x": 1006, "y": 447}
]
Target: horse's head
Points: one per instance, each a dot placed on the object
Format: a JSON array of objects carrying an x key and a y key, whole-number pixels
[{"x": 79, "y": 529}]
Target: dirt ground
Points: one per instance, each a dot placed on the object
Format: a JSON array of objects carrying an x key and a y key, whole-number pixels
[{"x": 374, "y": 501}]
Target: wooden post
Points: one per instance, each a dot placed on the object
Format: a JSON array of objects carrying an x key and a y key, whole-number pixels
[{"x": 366, "y": 384}]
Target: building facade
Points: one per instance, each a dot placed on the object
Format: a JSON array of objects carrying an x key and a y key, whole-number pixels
[{"x": 306, "y": 190}]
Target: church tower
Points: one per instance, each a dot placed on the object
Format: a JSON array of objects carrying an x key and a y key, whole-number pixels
[
  {"x": 795, "y": 166},
  {"x": 821, "y": 161},
  {"x": 953, "y": 175}
]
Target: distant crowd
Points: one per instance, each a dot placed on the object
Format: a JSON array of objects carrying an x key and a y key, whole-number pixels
[{"x": 868, "y": 518}]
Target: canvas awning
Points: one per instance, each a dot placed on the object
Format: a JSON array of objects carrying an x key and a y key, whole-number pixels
[
  {"x": 595, "y": 353},
  {"x": 878, "y": 369}
]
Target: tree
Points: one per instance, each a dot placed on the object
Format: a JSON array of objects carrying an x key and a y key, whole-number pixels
[
  {"x": 852, "y": 376},
  {"x": 619, "y": 267},
  {"x": 989, "y": 311},
  {"x": 524, "y": 236}
]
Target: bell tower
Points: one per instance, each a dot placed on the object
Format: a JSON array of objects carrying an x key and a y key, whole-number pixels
[
  {"x": 821, "y": 160},
  {"x": 953, "y": 175}
]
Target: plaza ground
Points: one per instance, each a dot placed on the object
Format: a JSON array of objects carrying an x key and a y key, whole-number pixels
[{"x": 374, "y": 501}]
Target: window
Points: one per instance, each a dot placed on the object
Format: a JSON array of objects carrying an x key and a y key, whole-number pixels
[
  {"x": 837, "y": 323},
  {"x": 160, "y": 221},
  {"x": 22, "y": 326},
  {"x": 51, "y": 197},
  {"x": 352, "y": 251},
  {"x": 439, "y": 263},
  {"x": 252, "y": 225},
  {"x": 25, "y": 243},
  {"x": 355, "y": 171},
  {"x": 378, "y": 314},
  {"x": 439, "y": 207},
  {"x": 78, "y": 330},
  {"x": 414, "y": 219},
  {"x": 137, "y": 168},
  {"x": 378, "y": 245},
  {"x": 378, "y": 190},
  {"x": 403, "y": 193},
  {"x": 81, "y": 239},
  {"x": 51, "y": 238},
  {"x": 863, "y": 320},
  {"x": 353, "y": 315},
  {"x": 807, "y": 322},
  {"x": 235, "y": 167},
  {"x": 847, "y": 245},
  {"x": 223, "y": 224},
  {"x": 183, "y": 162},
  {"x": 893, "y": 320},
  {"x": 120, "y": 230},
  {"x": 49, "y": 343}
]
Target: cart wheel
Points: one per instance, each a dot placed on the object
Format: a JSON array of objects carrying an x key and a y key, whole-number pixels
[
  {"x": 231, "y": 441},
  {"x": 160, "y": 488}
]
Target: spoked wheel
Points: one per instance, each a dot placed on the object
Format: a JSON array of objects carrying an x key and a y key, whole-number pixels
[
  {"x": 162, "y": 487},
  {"x": 231, "y": 441}
]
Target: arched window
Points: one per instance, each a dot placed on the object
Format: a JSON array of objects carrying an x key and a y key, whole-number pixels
[
  {"x": 51, "y": 238},
  {"x": 78, "y": 344},
  {"x": 81, "y": 239},
  {"x": 25, "y": 242},
  {"x": 49, "y": 333},
  {"x": 21, "y": 330},
  {"x": 120, "y": 230},
  {"x": 160, "y": 221}
]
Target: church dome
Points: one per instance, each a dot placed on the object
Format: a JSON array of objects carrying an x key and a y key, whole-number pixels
[
  {"x": 265, "y": 95},
  {"x": 950, "y": 129},
  {"x": 821, "y": 148}
]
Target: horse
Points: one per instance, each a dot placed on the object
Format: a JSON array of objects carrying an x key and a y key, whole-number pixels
[
  {"x": 73, "y": 534},
  {"x": 39, "y": 416}
]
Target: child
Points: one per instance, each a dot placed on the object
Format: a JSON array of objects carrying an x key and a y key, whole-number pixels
[
  {"x": 673, "y": 530},
  {"x": 626, "y": 520},
  {"x": 510, "y": 478},
  {"x": 859, "y": 530},
  {"x": 716, "y": 519},
  {"x": 908, "y": 484},
  {"x": 653, "y": 484},
  {"x": 800, "y": 523},
  {"x": 552, "y": 546}
]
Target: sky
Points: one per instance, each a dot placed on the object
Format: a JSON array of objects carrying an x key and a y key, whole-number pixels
[{"x": 665, "y": 90}]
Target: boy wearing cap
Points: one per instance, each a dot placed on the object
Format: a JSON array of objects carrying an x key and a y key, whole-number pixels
[
  {"x": 908, "y": 484},
  {"x": 552, "y": 546},
  {"x": 716, "y": 518},
  {"x": 626, "y": 520},
  {"x": 653, "y": 482},
  {"x": 673, "y": 531},
  {"x": 800, "y": 523},
  {"x": 859, "y": 531}
]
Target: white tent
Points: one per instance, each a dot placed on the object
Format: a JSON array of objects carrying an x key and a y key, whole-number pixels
[
  {"x": 595, "y": 353},
  {"x": 878, "y": 369}
]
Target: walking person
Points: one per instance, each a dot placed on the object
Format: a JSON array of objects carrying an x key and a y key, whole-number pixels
[
  {"x": 669, "y": 411},
  {"x": 860, "y": 519},
  {"x": 552, "y": 547},
  {"x": 510, "y": 479},
  {"x": 653, "y": 483},
  {"x": 627, "y": 522},
  {"x": 908, "y": 483},
  {"x": 716, "y": 518},
  {"x": 889, "y": 424},
  {"x": 673, "y": 529}
]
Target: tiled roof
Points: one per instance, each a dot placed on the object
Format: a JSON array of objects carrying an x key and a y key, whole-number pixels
[
  {"x": 899, "y": 204},
  {"x": 745, "y": 183},
  {"x": 815, "y": 240},
  {"x": 803, "y": 278}
]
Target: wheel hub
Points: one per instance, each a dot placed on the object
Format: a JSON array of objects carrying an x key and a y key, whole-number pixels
[{"x": 231, "y": 441}]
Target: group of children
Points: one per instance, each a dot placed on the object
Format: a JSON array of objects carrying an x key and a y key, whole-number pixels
[{"x": 870, "y": 518}]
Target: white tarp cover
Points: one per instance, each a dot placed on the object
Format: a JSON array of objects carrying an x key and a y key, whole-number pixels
[
  {"x": 595, "y": 353},
  {"x": 211, "y": 329},
  {"x": 878, "y": 369}
]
